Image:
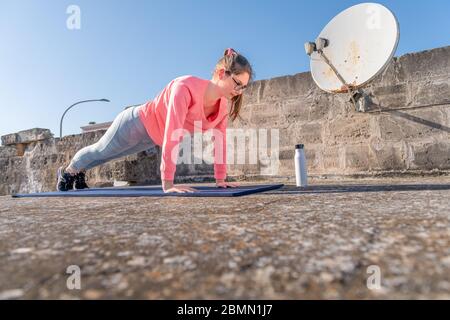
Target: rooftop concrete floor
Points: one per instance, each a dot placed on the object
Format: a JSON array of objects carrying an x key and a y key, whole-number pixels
[{"x": 289, "y": 243}]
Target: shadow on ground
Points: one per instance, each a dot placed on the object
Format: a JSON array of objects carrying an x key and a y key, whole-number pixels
[{"x": 290, "y": 189}]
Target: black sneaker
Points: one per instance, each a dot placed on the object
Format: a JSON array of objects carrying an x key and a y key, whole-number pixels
[
  {"x": 65, "y": 180},
  {"x": 80, "y": 181}
]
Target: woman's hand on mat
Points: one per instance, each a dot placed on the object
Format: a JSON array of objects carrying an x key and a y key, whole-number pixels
[
  {"x": 223, "y": 184},
  {"x": 168, "y": 186},
  {"x": 180, "y": 189}
]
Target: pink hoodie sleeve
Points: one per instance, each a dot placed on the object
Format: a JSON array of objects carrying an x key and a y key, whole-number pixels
[
  {"x": 220, "y": 144},
  {"x": 177, "y": 109}
]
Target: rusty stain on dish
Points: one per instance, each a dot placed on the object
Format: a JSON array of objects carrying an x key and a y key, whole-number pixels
[
  {"x": 348, "y": 66},
  {"x": 352, "y": 60},
  {"x": 329, "y": 73},
  {"x": 351, "y": 63},
  {"x": 345, "y": 89},
  {"x": 354, "y": 53}
]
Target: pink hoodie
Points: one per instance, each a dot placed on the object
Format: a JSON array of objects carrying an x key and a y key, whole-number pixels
[{"x": 178, "y": 105}]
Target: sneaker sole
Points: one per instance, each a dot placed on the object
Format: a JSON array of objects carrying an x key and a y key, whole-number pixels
[{"x": 58, "y": 174}]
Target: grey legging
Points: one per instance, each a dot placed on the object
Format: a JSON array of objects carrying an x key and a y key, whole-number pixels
[{"x": 125, "y": 136}]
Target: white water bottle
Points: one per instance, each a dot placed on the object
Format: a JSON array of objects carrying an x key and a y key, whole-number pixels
[{"x": 300, "y": 166}]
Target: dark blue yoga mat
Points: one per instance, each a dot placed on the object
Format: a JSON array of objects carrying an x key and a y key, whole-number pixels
[{"x": 155, "y": 191}]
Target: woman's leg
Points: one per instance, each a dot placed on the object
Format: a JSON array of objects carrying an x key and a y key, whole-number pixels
[
  {"x": 142, "y": 146},
  {"x": 125, "y": 136}
]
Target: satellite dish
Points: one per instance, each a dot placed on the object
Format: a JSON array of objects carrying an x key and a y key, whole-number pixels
[{"x": 354, "y": 47}]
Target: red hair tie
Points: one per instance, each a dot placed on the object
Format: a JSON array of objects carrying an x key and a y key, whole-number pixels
[{"x": 230, "y": 51}]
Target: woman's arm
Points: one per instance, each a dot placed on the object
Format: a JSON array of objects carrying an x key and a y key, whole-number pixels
[
  {"x": 220, "y": 149},
  {"x": 177, "y": 109},
  {"x": 220, "y": 154}
]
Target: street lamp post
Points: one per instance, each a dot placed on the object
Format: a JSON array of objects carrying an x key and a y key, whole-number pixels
[{"x": 62, "y": 118}]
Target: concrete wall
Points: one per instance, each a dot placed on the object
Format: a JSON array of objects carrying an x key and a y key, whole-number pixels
[
  {"x": 405, "y": 130},
  {"x": 35, "y": 171}
]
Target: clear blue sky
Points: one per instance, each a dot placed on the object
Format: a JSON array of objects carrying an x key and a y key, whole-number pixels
[{"x": 127, "y": 51}]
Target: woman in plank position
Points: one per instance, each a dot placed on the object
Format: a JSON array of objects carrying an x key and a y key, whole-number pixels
[{"x": 184, "y": 101}]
